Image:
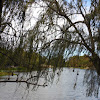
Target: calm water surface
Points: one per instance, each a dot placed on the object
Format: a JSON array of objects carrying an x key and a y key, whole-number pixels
[{"x": 59, "y": 90}]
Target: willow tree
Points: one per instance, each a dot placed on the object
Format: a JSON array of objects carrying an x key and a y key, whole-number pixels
[
  {"x": 13, "y": 36},
  {"x": 70, "y": 27},
  {"x": 63, "y": 26},
  {"x": 12, "y": 17}
]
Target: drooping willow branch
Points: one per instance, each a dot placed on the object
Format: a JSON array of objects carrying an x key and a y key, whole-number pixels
[{"x": 61, "y": 39}]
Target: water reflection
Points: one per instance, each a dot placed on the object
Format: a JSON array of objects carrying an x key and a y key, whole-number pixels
[{"x": 63, "y": 88}]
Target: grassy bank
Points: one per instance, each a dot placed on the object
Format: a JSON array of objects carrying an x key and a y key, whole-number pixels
[
  {"x": 8, "y": 71},
  {"x": 5, "y": 73}
]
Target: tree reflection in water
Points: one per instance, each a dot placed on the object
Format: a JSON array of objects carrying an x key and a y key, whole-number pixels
[{"x": 45, "y": 77}]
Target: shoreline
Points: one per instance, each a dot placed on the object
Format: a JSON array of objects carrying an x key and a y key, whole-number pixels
[{"x": 9, "y": 72}]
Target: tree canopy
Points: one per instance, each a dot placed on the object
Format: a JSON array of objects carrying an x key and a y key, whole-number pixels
[{"x": 68, "y": 27}]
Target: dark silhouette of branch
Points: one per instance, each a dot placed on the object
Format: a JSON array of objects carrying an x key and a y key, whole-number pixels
[{"x": 23, "y": 82}]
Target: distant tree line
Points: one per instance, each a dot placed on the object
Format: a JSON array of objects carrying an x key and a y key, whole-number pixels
[
  {"x": 19, "y": 57},
  {"x": 28, "y": 59},
  {"x": 79, "y": 61}
]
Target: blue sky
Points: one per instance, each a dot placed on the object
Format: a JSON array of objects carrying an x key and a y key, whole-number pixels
[{"x": 86, "y": 2}]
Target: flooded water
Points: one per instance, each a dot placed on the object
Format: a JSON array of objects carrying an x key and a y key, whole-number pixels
[{"x": 64, "y": 89}]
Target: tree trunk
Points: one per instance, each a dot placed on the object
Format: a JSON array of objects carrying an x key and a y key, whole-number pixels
[
  {"x": 96, "y": 63},
  {"x": 1, "y": 5}
]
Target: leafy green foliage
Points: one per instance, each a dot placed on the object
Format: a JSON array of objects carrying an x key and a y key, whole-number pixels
[{"x": 20, "y": 58}]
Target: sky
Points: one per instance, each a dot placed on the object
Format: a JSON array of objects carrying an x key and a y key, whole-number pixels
[
  {"x": 35, "y": 13},
  {"x": 35, "y": 10}
]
